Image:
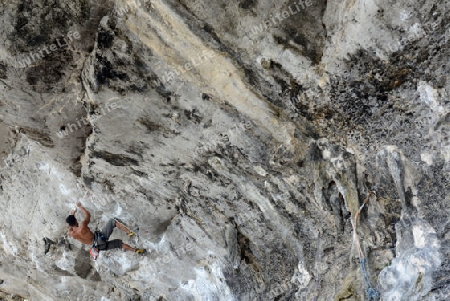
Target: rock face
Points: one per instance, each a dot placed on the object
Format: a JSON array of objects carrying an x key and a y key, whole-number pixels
[{"x": 240, "y": 138}]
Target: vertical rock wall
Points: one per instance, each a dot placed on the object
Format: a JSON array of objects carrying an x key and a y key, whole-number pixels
[{"x": 241, "y": 138}]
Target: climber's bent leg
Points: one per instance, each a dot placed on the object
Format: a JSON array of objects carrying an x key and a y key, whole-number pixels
[
  {"x": 114, "y": 244},
  {"x": 108, "y": 229},
  {"x": 122, "y": 227},
  {"x": 118, "y": 244},
  {"x": 127, "y": 247}
]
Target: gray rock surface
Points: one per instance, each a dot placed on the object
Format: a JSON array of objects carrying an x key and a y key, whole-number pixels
[{"x": 240, "y": 137}]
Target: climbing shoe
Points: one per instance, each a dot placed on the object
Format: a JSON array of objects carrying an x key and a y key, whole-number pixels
[
  {"x": 131, "y": 233},
  {"x": 141, "y": 251}
]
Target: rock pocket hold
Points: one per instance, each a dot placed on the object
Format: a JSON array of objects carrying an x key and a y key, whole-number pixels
[{"x": 48, "y": 242}]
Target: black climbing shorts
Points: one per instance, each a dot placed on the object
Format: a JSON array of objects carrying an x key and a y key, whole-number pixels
[{"x": 106, "y": 244}]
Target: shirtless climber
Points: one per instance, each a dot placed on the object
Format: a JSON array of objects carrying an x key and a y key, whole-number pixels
[{"x": 85, "y": 235}]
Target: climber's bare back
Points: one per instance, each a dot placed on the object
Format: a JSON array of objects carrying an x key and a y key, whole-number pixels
[{"x": 82, "y": 233}]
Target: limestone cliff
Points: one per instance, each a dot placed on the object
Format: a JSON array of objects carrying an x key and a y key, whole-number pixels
[{"x": 241, "y": 138}]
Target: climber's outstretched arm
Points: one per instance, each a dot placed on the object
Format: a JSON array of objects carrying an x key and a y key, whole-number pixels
[{"x": 87, "y": 218}]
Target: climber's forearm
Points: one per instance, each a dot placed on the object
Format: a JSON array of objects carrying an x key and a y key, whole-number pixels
[
  {"x": 85, "y": 212},
  {"x": 87, "y": 215}
]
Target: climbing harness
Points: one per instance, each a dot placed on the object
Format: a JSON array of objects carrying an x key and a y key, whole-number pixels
[
  {"x": 95, "y": 249},
  {"x": 94, "y": 253},
  {"x": 371, "y": 292}
]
